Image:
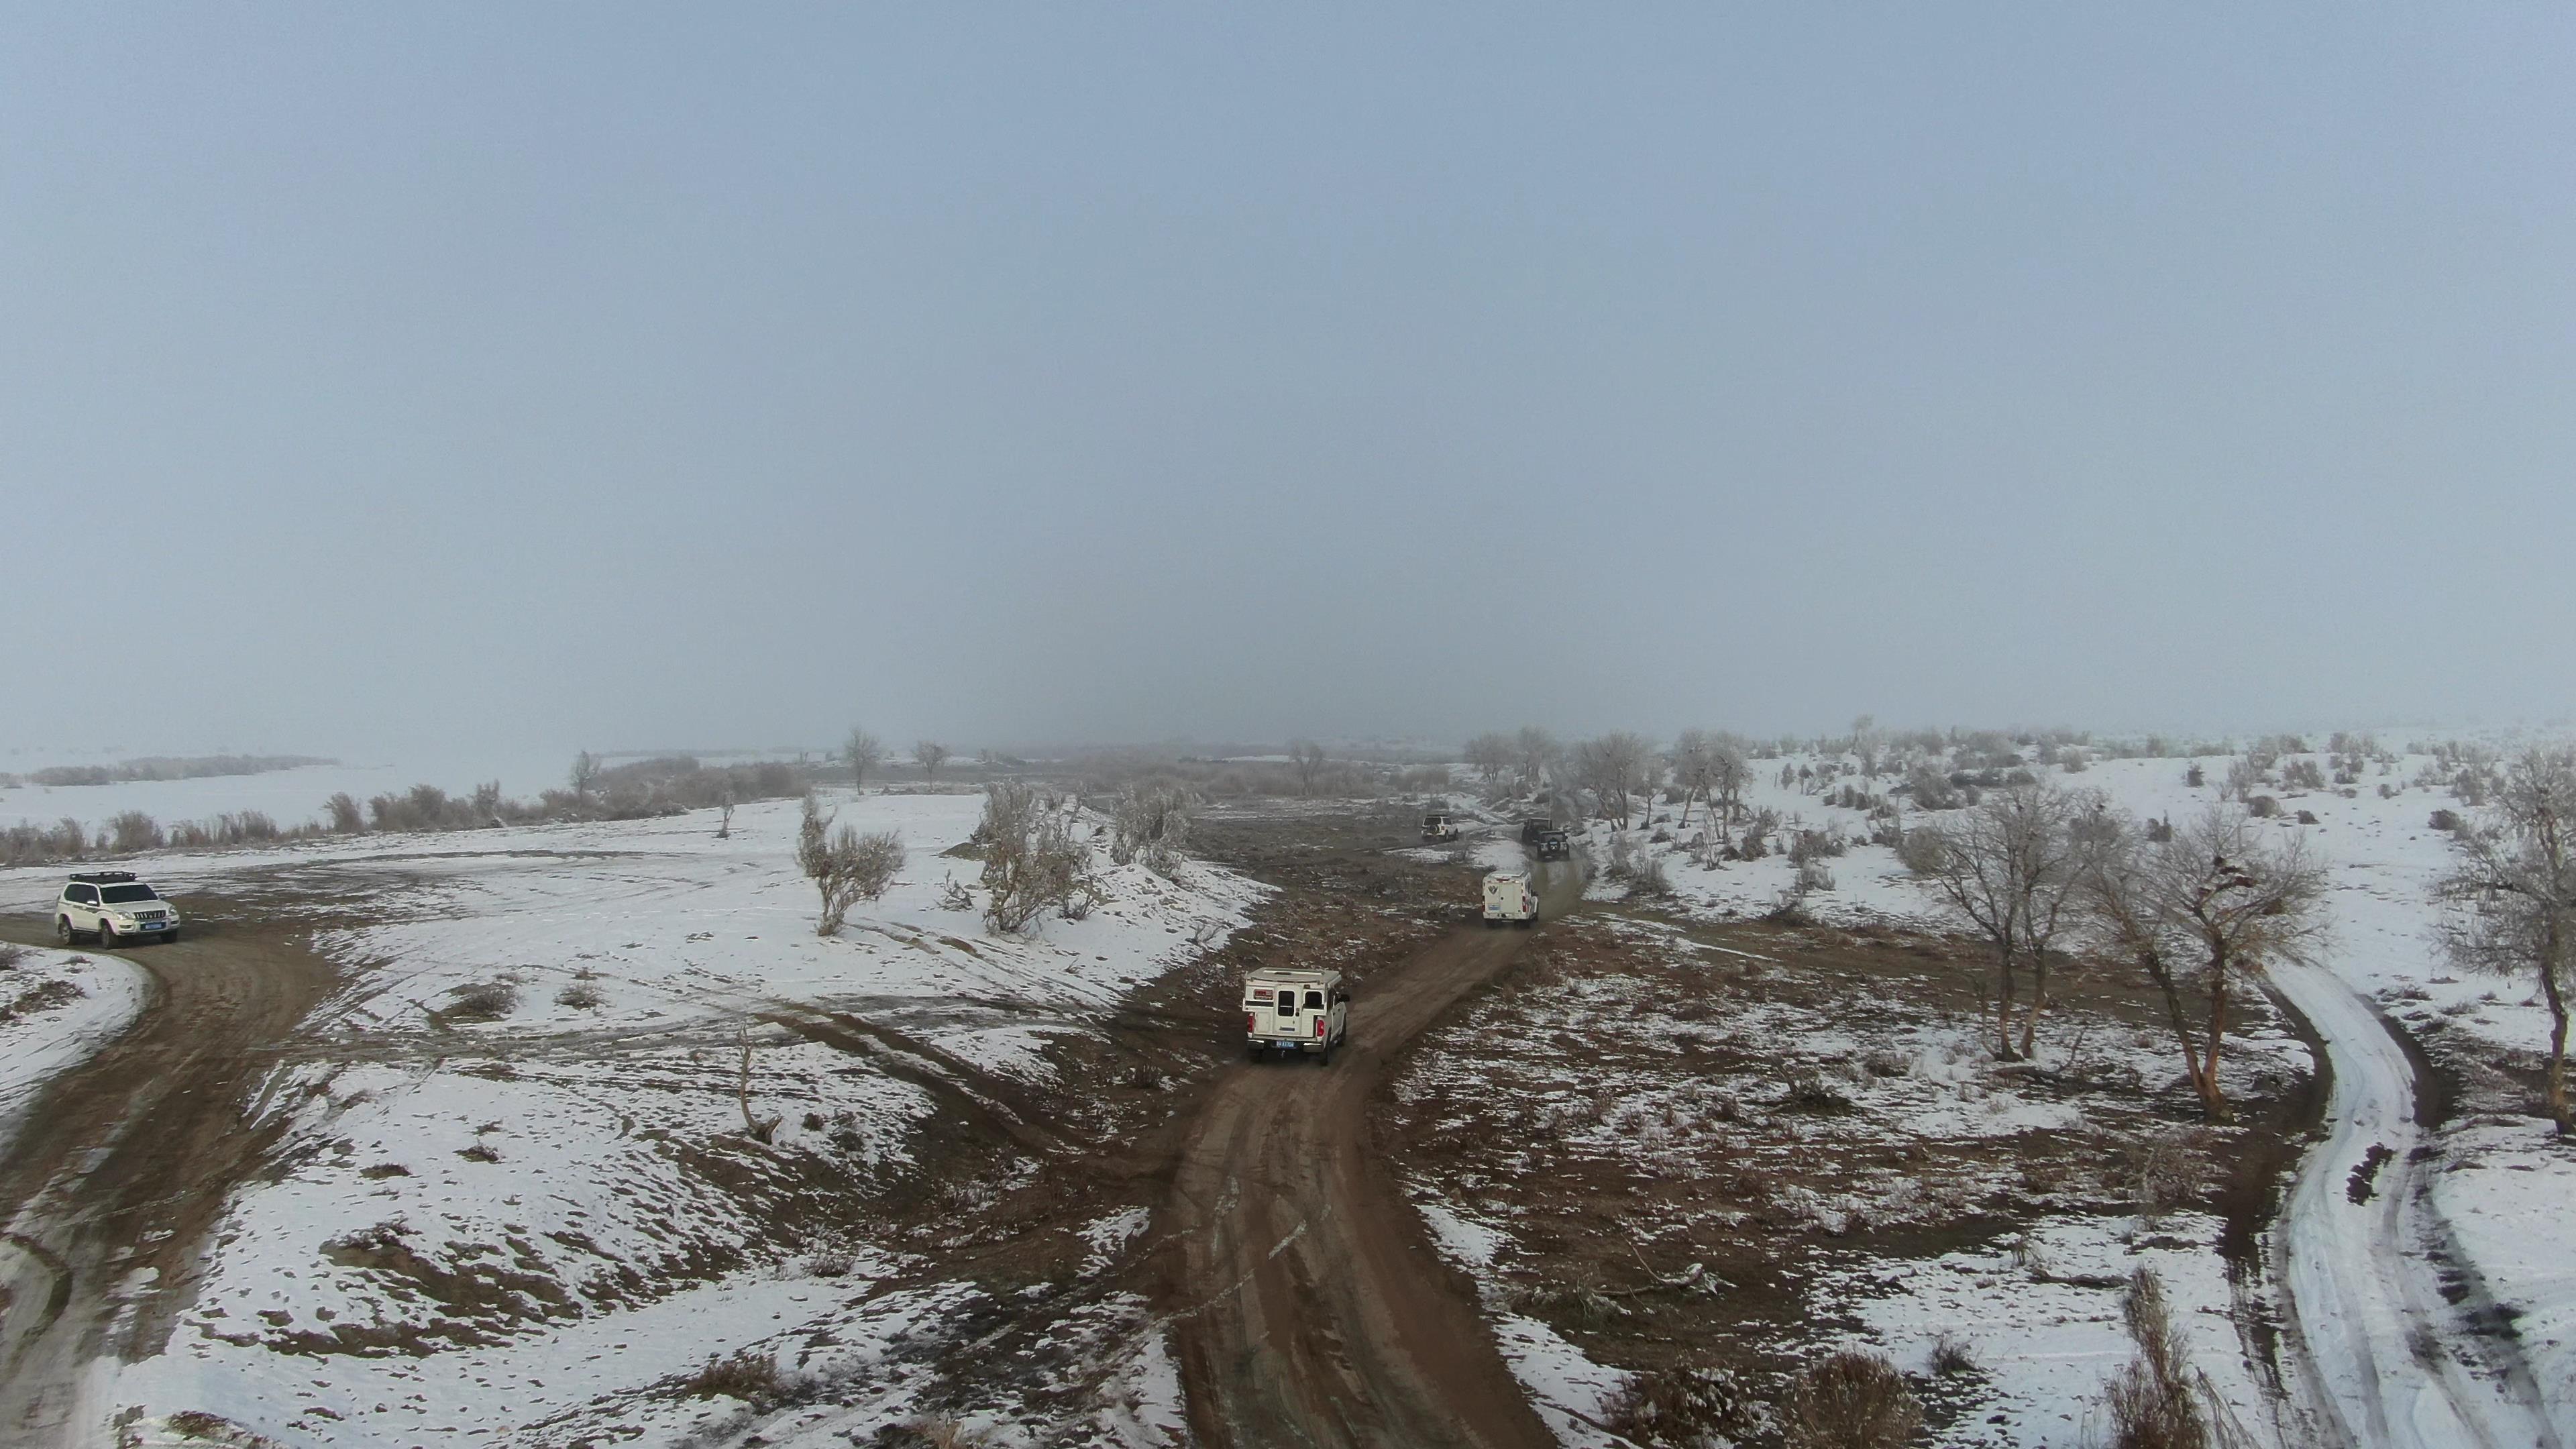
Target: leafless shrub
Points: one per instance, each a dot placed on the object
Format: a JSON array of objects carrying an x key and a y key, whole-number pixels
[
  {"x": 1950, "y": 1357},
  {"x": 481, "y": 1151},
  {"x": 580, "y": 996},
  {"x": 1852, "y": 1400},
  {"x": 1886, "y": 1062},
  {"x": 2150, "y": 1400},
  {"x": 2448, "y": 820},
  {"x": 1813, "y": 876},
  {"x": 1031, "y": 859},
  {"x": 132, "y": 831},
  {"x": 2169, "y": 1171},
  {"x": 11, "y": 955},
  {"x": 1150, "y": 823},
  {"x": 1808, "y": 1092},
  {"x": 750, "y": 1374},
  {"x": 382, "y": 1170},
  {"x": 954, "y": 896},
  {"x": 2262, "y": 807},
  {"x": 1684, "y": 1407},
  {"x": 1576, "y": 1300},
  {"x": 845, "y": 866},
  {"x": 2302, "y": 775},
  {"x": 43, "y": 996},
  {"x": 1651, "y": 879},
  {"x": 481, "y": 1001}
]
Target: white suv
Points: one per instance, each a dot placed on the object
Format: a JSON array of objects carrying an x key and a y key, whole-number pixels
[{"x": 112, "y": 905}]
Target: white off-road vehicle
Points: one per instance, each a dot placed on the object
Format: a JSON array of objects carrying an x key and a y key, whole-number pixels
[
  {"x": 1295, "y": 1011},
  {"x": 1510, "y": 900},
  {"x": 110, "y": 906}
]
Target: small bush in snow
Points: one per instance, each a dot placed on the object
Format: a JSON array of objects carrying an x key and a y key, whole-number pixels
[
  {"x": 2302, "y": 775},
  {"x": 750, "y": 1375},
  {"x": 1950, "y": 1357},
  {"x": 482, "y": 1001},
  {"x": 2262, "y": 807},
  {"x": 845, "y": 866},
  {"x": 2448, "y": 820},
  {"x": 1652, "y": 880},
  {"x": 1684, "y": 1408},
  {"x": 1812, "y": 876},
  {"x": 11, "y": 954},
  {"x": 2150, "y": 1401},
  {"x": 1851, "y": 1401},
  {"x": 580, "y": 996},
  {"x": 1150, "y": 823},
  {"x": 1031, "y": 859},
  {"x": 2195, "y": 777}
]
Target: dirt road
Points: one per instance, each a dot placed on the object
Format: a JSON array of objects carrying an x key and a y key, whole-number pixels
[
  {"x": 125, "y": 1163},
  {"x": 2366, "y": 1285},
  {"x": 1308, "y": 1307}
]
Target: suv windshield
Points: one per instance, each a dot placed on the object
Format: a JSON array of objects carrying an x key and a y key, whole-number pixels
[{"x": 120, "y": 895}]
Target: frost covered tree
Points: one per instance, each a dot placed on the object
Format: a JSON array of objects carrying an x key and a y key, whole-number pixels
[
  {"x": 1491, "y": 754},
  {"x": 1031, "y": 858},
  {"x": 2005, "y": 870},
  {"x": 1613, "y": 767},
  {"x": 2198, "y": 908},
  {"x": 1535, "y": 752},
  {"x": 845, "y": 866},
  {"x": 1152, "y": 824},
  {"x": 2512, "y": 896},
  {"x": 930, "y": 755},
  {"x": 862, "y": 752},
  {"x": 1711, "y": 767},
  {"x": 586, "y": 770}
]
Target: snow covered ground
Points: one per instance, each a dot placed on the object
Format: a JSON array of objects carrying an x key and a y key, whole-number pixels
[
  {"x": 517, "y": 1183},
  {"x": 2395, "y": 1362},
  {"x": 57, "y": 1007}
]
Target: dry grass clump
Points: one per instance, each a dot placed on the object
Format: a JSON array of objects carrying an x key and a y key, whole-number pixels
[
  {"x": 750, "y": 1375},
  {"x": 2150, "y": 1400},
  {"x": 1684, "y": 1408},
  {"x": 481, "y": 1001},
  {"x": 1852, "y": 1400}
]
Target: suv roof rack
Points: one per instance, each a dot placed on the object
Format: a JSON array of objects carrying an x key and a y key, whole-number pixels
[{"x": 103, "y": 877}]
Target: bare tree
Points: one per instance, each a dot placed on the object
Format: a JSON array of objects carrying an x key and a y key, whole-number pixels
[
  {"x": 1152, "y": 822},
  {"x": 930, "y": 755},
  {"x": 1711, "y": 768},
  {"x": 845, "y": 866},
  {"x": 2513, "y": 896},
  {"x": 1491, "y": 754},
  {"x": 2213, "y": 901},
  {"x": 586, "y": 770},
  {"x": 1613, "y": 767},
  {"x": 1537, "y": 752},
  {"x": 862, "y": 752},
  {"x": 1309, "y": 759},
  {"x": 758, "y": 1129},
  {"x": 724, "y": 827},
  {"x": 2004, "y": 870},
  {"x": 1031, "y": 859}
]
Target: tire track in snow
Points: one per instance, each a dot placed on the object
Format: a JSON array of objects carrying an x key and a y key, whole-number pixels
[{"x": 2378, "y": 1342}]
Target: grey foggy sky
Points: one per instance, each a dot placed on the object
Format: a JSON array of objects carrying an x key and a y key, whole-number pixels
[{"x": 399, "y": 376}]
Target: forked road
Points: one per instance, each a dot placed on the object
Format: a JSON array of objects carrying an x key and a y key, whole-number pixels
[
  {"x": 1309, "y": 1309},
  {"x": 124, "y": 1163}
]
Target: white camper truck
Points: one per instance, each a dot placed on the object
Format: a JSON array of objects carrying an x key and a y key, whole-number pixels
[
  {"x": 1295, "y": 1011},
  {"x": 1510, "y": 899}
]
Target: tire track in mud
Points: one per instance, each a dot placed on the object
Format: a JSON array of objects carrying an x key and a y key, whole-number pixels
[
  {"x": 1305, "y": 1304},
  {"x": 125, "y": 1162}
]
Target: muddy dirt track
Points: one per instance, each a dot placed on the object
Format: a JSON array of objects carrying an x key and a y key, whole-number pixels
[
  {"x": 1309, "y": 1309},
  {"x": 124, "y": 1164}
]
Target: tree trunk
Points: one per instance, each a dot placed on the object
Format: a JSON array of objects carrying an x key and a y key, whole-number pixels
[
  {"x": 2007, "y": 986},
  {"x": 2557, "y": 1081},
  {"x": 2038, "y": 1004},
  {"x": 2154, "y": 962},
  {"x": 2214, "y": 1098}
]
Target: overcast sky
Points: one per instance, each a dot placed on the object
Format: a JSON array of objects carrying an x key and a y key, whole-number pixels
[{"x": 374, "y": 377}]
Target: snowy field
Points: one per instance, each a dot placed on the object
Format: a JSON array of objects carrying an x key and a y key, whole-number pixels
[
  {"x": 2371, "y": 1273},
  {"x": 518, "y": 1183},
  {"x": 57, "y": 1007},
  {"x": 289, "y": 797}
]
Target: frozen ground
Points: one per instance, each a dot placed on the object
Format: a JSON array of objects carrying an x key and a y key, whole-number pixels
[
  {"x": 2370, "y": 1278},
  {"x": 290, "y": 797},
  {"x": 56, "y": 1007},
  {"x": 516, "y": 1186}
]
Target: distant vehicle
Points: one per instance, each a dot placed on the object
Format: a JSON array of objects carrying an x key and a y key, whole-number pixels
[
  {"x": 1552, "y": 845},
  {"x": 109, "y": 906},
  {"x": 1439, "y": 825},
  {"x": 1295, "y": 1011},
  {"x": 1533, "y": 828},
  {"x": 1510, "y": 900}
]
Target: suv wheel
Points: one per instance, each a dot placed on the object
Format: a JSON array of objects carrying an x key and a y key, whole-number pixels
[
  {"x": 63, "y": 930},
  {"x": 106, "y": 932}
]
